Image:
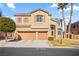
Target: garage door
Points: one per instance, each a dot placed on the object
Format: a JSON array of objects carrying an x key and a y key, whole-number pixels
[
  {"x": 27, "y": 35},
  {"x": 42, "y": 35}
]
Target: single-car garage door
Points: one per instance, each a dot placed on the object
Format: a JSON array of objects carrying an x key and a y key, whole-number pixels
[
  {"x": 42, "y": 35},
  {"x": 27, "y": 35}
]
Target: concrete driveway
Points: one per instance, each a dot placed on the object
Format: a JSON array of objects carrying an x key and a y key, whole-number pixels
[{"x": 30, "y": 43}]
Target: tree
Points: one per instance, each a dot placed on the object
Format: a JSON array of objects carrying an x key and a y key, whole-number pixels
[
  {"x": 62, "y": 6},
  {"x": 7, "y": 25},
  {"x": 69, "y": 25}
]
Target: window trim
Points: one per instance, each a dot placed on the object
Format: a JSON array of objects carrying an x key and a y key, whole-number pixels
[
  {"x": 25, "y": 21},
  {"x": 40, "y": 21},
  {"x": 74, "y": 26},
  {"x": 19, "y": 18}
]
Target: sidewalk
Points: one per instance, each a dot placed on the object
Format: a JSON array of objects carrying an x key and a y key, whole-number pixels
[{"x": 2, "y": 43}]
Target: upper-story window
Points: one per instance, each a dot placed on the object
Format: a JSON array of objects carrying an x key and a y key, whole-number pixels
[
  {"x": 39, "y": 18},
  {"x": 59, "y": 31},
  {"x": 74, "y": 26},
  {"x": 26, "y": 20},
  {"x": 19, "y": 20}
]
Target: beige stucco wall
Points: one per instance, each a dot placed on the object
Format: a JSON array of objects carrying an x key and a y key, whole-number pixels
[
  {"x": 43, "y": 24},
  {"x": 56, "y": 27}
]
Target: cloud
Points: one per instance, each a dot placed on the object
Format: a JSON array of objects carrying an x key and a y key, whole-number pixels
[
  {"x": 54, "y": 5},
  {"x": 6, "y": 16},
  {"x": 74, "y": 8},
  {"x": 13, "y": 18},
  {"x": 11, "y": 5},
  {"x": 67, "y": 19},
  {"x": 61, "y": 10},
  {"x": 68, "y": 8}
]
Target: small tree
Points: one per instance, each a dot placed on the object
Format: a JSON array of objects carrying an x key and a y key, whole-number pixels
[{"x": 7, "y": 25}]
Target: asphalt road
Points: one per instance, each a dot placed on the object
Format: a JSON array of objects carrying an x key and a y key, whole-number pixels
[{"x": 39, "y": 51}]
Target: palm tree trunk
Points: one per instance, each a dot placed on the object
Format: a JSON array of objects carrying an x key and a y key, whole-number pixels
[
  {"x": 62, "y": 26},
  {"x": 61, "y": 32},
  {"x": 64, "y": 23},
  {"x": 69, "y": 29}
]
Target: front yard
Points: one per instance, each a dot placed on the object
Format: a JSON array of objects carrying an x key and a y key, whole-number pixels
[{"x": 64, "y": 42}]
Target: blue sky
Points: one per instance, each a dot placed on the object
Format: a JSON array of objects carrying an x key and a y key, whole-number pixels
[{"x": 9, "y": 9}]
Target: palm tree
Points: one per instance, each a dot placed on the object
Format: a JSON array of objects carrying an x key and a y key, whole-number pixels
[
  {"x": 62, "y": 6},
  {"x": 69, "y": 27}
]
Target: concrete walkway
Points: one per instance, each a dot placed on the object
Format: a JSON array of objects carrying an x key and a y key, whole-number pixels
[{"x": 33, "y": 43}]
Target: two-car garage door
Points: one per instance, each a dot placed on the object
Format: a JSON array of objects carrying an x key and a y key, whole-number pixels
[{"x": 33, "y": 35}]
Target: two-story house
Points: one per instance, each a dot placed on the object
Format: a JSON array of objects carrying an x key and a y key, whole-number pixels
[{"x": 36, "y": 25}]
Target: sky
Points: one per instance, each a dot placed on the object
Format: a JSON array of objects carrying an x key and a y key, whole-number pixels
[{"x": 9, "y": 9}]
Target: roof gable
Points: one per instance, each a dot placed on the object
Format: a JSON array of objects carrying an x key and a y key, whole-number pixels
[
  {"x": 19, "y": 14},
  {"x": 42, "y": 11}
]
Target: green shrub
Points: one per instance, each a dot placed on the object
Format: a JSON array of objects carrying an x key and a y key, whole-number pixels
[{"x": 51, "y": 38}]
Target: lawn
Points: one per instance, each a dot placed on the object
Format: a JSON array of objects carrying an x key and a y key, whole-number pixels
[{"x": 64, "y": 43}]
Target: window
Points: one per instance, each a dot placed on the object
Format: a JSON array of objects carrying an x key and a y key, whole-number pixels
[
  {"x": 39, "y": 18},
  {"x": 52, "y": 33},
  {"x": 59, "y": 32},
  {"x": 26, "y": 20},
  {"x": 67, "y": 35},
  {"x": 74, "y": 26},
  {"x": 52, "y": 27},
  {"x": 19, "y": 20}
]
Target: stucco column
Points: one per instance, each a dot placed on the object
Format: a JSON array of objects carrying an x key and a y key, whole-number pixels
[
  {"x": 49, "y": 31},
  {"x": 56, "y": 32},
  {"x": 36, "y": 35}
]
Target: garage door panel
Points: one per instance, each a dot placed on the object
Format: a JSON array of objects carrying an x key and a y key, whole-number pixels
[
  {"x": 28, "y": 35},
  {"x": 42, "y": 36}
]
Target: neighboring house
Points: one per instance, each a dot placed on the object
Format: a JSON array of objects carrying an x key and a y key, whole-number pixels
[
  {"x": 74, "y": 34},
  {"x": 37, "y": 25}
]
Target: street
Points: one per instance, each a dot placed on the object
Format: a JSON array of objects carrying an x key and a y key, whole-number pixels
[{"x": 9, "y": 51}]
